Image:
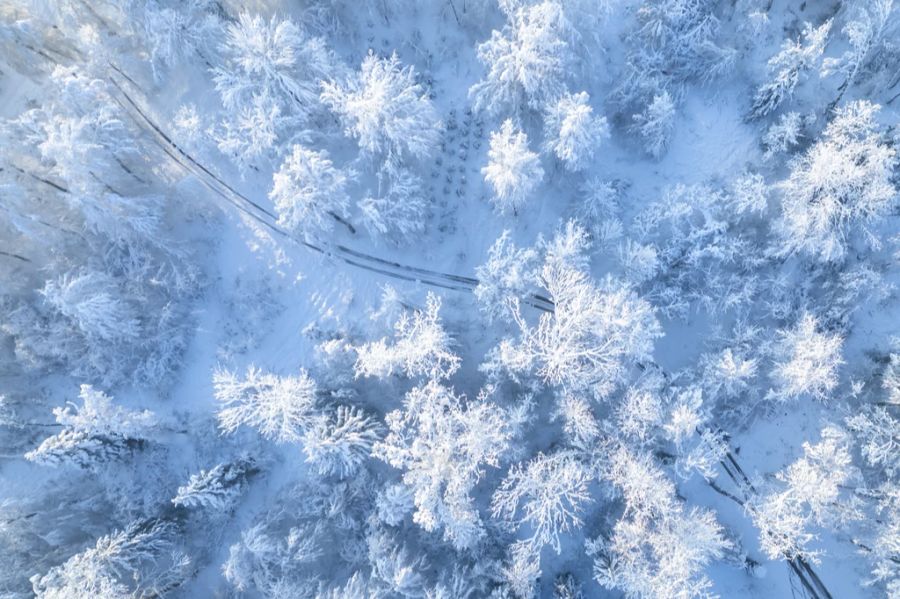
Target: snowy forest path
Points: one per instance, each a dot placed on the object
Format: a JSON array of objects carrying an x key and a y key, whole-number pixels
[
  {"x": 268, "y": 219},
  {"x": 812, "y": 584}
]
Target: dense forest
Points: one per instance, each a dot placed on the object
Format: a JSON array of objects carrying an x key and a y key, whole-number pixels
[{"x": 449, "y": 299}]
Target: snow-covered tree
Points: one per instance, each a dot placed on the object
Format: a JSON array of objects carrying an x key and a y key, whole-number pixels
[
  {"x": 545, "y": 497},
  {"x": 865, "y": 32},
  {"x": 442, "y": 444},
  {"x": 657, "y": 548},
  {"x": 784, "y": 135},
  {"x": 838, "y": 185},
  {"x": 640, "y": 262},
  {"x": 891, "y": 381},
  {"x": 273, "y": 58},
  {"x": 729, "y": 372},
  {"x": 654, "y": 125},
  {"x": 258, "y": 560},
  {"x": 421, "y": 347},
  {"x": 339, "y": 443},
  {"x": 513, "y": 171},
  {"x": 309, "y": 193},
  {"x": 138, "y": 561},
  {"x": 640, "y": 414},
  {"x": 521, "y": 574},
  {"x": 218, "y": 488},
  {"x": 675, "y": 42},
  {"x": 877, "y": 429},
  {"x": 269, "y": 84},
  {"x": 39, "y": 523},
  {"x": 96, "y": 431},
  {"x": 308, "y": 528},
  {"x": 80, "y": 137},
  {"x": 89, "y": 321},
  {"x": 91, "y": 301},
  {"x": 385, "y": 110},
  {"x": 568, "y": 248},
  {"x": 28, "y": 45},
  {"x": 356, "y": 586},
  {"x": 707, "y": 253},
  {"x": 174, "y": 33},
  {"x": 572, "y": 131},
  {"x": 252, "y": 131},
  {"x": 806, "y": 361},
  {"x": 281, "y": 408},
  {"x": 885, "y": 544},
  {"x": 808, "y": 493},
  {"x": 83, "y": 141},
  {"x": 660, "y": 557},
  {"x": 527, "y": 62},
  {"x": 395, "y": 570},
  {"x": 580, "y": 425},
  {"x": 789, "y": 67},
  {"x": 878, "y": 435},
  {"x": 395, "y": 502},
  {"x": 590, "y": 339},
  {"x": 749, "y": 194},
  {"x": 599, "y": 210},
  {"x": 398, "y": 211},
  {"x": 567, "y": 587},
  {"x": 99, "y": 415},
  {"x": 509, "y": 273},
  {"x": 115, "y": 281}
]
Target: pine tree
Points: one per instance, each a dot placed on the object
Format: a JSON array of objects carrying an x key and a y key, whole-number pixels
[
  {"x": 94, "y": 432},
  {"x": 655, "y": 124},
  {"x": 137, "y": 561},
  {"x": 788, "y": 67},
  {"x": 338, "y": 444},
  {"x": 217, "y": 488}
]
